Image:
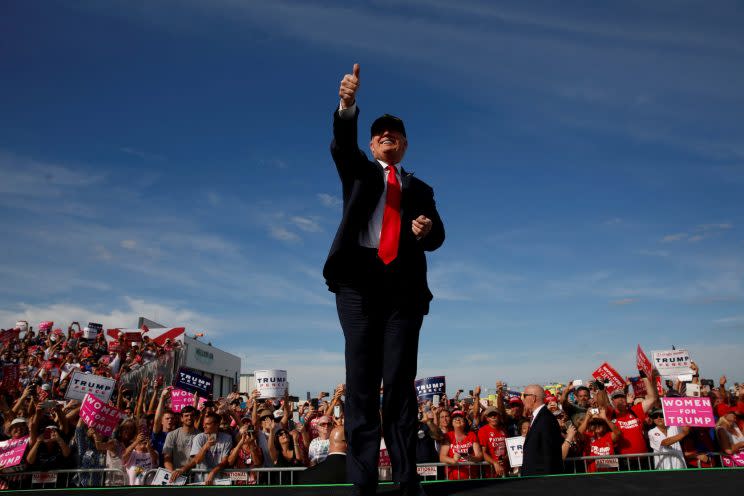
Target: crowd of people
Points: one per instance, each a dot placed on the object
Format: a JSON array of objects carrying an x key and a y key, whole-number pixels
[{"x": 204, "y": 440}]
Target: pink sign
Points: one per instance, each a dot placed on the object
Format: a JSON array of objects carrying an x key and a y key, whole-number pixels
[
  {"x": 643, "y": 363},
  {"x": 695, "y": 412},
  {"x": 99, "y": 415},
  {"x": 11, "y": 452},
  {"x": 736, "y": 460},
  {"x": 181, "y": 398},
  {"x": 613, "y": 380}
]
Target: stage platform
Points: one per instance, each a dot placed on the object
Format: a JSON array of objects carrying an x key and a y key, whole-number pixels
[{"x": 706, "y": 481}]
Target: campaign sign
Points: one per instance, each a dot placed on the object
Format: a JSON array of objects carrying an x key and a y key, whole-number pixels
[
  {"x": 130, "y": 339},
  {"x": 92, "y": 331},
  {"x": 639, "y": 387},
  {"x": 695, "y": 412},
  {"x": 162, "y": 478},
  {"x": 11, "y": 452},
  {"x": 43, "y": 478},
  {"x": 192, "y": 381},
  {"x": 271, "y": 383},
  {"x": 515, "y": 450},
  {"x": 427, "y": 387},
  {"x": 612, "y": 380},
  {"x": 99, "y": 415},
  {"x": 10, "y": 377},
  {"x": 426, "y": 471},
  {"x": 736, "y": 460},
  {"x": 643, "y": 363},
  {"x": 672, "y": 363},
  {"x": 180, "y": 399},
  {"x": 82, "y": 384}
]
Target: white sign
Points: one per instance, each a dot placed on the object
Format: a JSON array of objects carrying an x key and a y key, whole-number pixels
[
  {"x": 222, "y": 482},
  {"x": 162, "y": 478},
  {"x": 43, "y": 478},
  {"x": 692, "y": 390},
  {"x": 271, "y": 383},
  {"x": 672, "y": 363},
  {"x": 515, "y": 450},
  {"x": 82, "y": 384},
  {"x": 427, "y": 471}
]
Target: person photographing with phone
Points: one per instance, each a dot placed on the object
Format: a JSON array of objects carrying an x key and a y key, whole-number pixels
[
  {"x": 377, "y": 268},
  {"x": 210, "y": 450}
]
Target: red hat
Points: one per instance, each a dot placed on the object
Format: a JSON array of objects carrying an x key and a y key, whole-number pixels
[
  {"x": 550, "y": 398},
  {"x": 457, "y": 413},
  {"x": 515, "y": 401}
]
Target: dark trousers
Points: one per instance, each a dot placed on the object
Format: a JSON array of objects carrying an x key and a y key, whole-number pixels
[{"x": 381, "y": 344}]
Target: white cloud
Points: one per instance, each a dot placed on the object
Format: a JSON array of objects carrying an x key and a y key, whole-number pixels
[
  {"x": 674, "y": 237},
  {"x": 282, "y": 234},
  {"x": 306, "y": 224},
  {"x": 329, "y": 200},
  {"x": 128, "y": 244},
  {"x": 63, "y": 314}
]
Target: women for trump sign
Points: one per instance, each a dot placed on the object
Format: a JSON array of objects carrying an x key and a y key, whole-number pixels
[{"x": 693, "y": 412}]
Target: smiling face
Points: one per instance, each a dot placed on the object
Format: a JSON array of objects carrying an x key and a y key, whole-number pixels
[{"x": 389, "y": 146}]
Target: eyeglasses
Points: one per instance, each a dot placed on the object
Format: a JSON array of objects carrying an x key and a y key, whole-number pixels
[
  {"x": 524, "y": 395},
  {"x": 324, "y": 424},
  {"x": 656, "y": 416}
]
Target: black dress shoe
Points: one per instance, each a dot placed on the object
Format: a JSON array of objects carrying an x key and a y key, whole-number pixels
[{"x": 411, "y": 489}]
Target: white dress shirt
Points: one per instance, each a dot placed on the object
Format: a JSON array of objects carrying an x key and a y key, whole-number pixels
[
  {"x": 534, "y": 413},
  {"x": 370, "y": 238}
]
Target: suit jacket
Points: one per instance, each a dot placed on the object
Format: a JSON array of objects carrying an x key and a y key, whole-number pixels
[
  {"x": 542, "y": 446},
  {"x": 332, "y": 470},
  {"x": 362, "y": 182}
]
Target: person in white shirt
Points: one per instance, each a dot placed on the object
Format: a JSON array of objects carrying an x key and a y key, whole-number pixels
[{"x": 665, "y": 439}]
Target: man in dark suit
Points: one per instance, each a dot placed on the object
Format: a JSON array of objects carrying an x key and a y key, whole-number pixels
[
  {"x": 377, "y": 268},
  {"x": 332, "y": 470},
  {"x": 542, "y": 446}
]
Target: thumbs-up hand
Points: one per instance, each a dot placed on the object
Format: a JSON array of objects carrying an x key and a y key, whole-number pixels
[{"x": 349, "y": 86}]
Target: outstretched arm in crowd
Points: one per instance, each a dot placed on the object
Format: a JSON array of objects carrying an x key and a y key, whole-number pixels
[
  {"x": 500, "y": 398},
  {"x": 476, "y": 404},
  {"x": 141, "y": 397},
  {"x": 614, "y": 429},
  {"x": 336, "y": 399},
  {"x": 722, "y": 389},
  {"x": 652, "y": 395},
  {"x": 157, "y": 426},
  {"x": 254, "y": 407}
]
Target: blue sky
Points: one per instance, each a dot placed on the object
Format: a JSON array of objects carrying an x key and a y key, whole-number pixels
[{"x": 170, "y": 159}]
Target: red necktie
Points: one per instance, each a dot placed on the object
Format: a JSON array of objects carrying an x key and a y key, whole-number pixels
[{"x": 390, "y": 234}]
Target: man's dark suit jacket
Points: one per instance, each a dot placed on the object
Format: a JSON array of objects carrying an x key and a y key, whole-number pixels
[
  {"x": 332, "y": 470},
  {"x": 542, "y": 446},
  {"x": 363, "y": 182}
]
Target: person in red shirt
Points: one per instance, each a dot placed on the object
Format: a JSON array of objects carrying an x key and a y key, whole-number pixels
[
  {"x": 460, "y": 445},
  {"x": 630, "y": 420},
  {"x": 600, "y": 436},
  {"x": 492, "y": 439}
]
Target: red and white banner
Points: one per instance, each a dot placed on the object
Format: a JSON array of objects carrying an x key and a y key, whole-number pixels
[
  {"x": 97, "y": 414},
  {"x": 607, "y": 374},
  {"x": 156, "y": 335},
  {"x": 643, "y": 363}
]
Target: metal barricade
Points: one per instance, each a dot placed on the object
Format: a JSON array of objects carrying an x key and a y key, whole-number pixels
[
  {"x": 69, "y": 478},
  {"x": 725, "y": 460},
  {"x": 270, "y": 476},
  {"x": 616, "y": 463}
]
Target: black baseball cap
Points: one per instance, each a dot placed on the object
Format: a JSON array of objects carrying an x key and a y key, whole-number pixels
[{"x": 387, "y": 122}]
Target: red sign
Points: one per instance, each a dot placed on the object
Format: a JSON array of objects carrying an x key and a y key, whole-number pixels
[
  {"x": 613, "y": 381},
  {"x": 10, "y": 377},
  {"x": 643, "y": 363}
]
